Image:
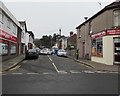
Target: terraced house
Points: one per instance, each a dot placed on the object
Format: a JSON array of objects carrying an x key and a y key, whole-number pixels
[
  {"x": 13, "y": 35},
  {"x": 98, "y": 38}
]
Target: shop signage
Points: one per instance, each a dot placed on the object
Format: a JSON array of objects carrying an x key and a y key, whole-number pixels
[
  {"x": 113, "y": 32},
  {"x": 7, "y": 36},
  {"x": 100, "y": 34},
  {"x": 108, "y": 32}
]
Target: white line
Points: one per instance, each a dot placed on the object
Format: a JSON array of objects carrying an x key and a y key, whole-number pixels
[
  {"x": 46, "y": 73},
  {"x": 114, "y": 72},
  {"x": 32, "y": 73},
  {"x": 55, "y": 67},
  {"x": 100, "y": 72},
  {"x": 72, "y": 71},
  {"x": 88, "y": 72},
  {"x": 49, "y": 58},
  {"x": 17, "y": 73},
  {"x": 62, "y": 72}
]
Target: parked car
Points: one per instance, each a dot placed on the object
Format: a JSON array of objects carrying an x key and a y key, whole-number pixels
[
  {"x": 62, "y": 53},
  {"x": 31, "y": 53},
  {"x": 43, "y": 52},
  {"x": 38, "y": 50}
]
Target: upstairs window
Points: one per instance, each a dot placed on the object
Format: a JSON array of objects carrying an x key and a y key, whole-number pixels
[
  {"x": 8, "y": 23},
  {"x": 117, "y": 18}
]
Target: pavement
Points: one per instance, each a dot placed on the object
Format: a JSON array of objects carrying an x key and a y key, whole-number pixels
[
  {"x": 97, "y": 66},
  {"x": 11, "y": 63}
]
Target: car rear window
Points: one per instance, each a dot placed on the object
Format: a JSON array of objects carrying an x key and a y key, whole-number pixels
[{"x": 31, "y": 50}]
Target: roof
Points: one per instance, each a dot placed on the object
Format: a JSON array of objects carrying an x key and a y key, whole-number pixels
[
  {"x": 23, "y": 22},
  {"x": 9, "y": 14},
  {"x": 108, "y": 7},
  {"x": 31, "y": 33}
]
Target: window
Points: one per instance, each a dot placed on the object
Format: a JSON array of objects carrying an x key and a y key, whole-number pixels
[
  {"x": 3, "y": 48},
  {"x": 97, "y": 47},
  {"x": 117, "y": 18},
  {"x": 8, "y": 23},
  {"x": 13, "y": 49},
  {"x": 14, "y": 29}
]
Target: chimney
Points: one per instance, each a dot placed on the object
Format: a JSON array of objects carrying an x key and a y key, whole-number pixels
[
  {"x": 85, "y": 18},
  {"x": 71, "y": 33}
]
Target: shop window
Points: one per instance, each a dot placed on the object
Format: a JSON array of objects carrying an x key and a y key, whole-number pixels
[
  {"x": 117, "y": 18},
  {"x": 3, "y": 48},
  {"x": 13, "y": 49},
  {"x": 97, "y": 47}
]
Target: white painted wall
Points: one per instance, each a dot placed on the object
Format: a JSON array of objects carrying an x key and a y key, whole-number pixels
[
  {"x": 108, "y": 51},
  {"x": 27, "y": 39},
  {"x": 23, "y": 34},
  {"x": 64, "y": 43}
]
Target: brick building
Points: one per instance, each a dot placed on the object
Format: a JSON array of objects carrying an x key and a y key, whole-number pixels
[{"x": 98, "y": 38}]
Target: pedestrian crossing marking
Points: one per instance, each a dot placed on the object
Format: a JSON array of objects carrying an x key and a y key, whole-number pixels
[{"x": 64, "y": 72}]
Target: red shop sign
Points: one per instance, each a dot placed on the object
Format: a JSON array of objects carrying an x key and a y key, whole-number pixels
[
  {"x": 100, "y": 34},
  {"x": 113, "y": 32},
  {"x": 7, "y": 36}
]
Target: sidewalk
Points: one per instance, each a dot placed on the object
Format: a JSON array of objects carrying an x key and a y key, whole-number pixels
[
  {"x": 97, "y": 66},
  {"x": 11, "y": 62}
]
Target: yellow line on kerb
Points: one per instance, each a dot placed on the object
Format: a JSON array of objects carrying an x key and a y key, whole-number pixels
[
  {"x": 86, "y": 66},
  {"x": 18, "y": 66},
  {"x": 15, "y": 68}
]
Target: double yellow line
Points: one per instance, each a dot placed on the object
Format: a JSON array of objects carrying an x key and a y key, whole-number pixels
[{"x": 16, "y": 67}]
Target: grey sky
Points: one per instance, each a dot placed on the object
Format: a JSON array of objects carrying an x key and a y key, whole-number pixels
[{"x": 45, "y": 18}]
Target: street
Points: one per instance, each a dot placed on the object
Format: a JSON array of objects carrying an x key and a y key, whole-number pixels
[{"x": 50, "y": 74}]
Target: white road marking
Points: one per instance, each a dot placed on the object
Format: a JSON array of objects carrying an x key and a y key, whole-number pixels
[
  {"x": 17, "y": 73},
  {"x": 73, "y": 71},
  {"x": 114, "y": 72},
  {"x": 62, "y": 72},
  {"x": 49, "y": 58},
  {"x": 55, "y": 67},
  {"x": 46, "y": 73},
  {"x": 88, "y": 71},
  {"x": 32, "y": 73},
  {"x": 100, "y": 71}
]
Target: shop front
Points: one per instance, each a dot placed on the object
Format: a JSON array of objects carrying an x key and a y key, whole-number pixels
[
  {"x": 106, "y": 47},
  {"x": 8, "y": 45}
]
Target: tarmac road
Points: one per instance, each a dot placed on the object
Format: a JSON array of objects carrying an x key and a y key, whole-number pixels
[{"x": 57, "y": 75}]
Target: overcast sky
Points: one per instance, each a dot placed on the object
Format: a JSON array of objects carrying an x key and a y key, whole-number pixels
[{"x": 45, "y": 18}]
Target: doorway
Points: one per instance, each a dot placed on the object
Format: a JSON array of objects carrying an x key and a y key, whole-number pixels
[{"x": 117, "y": 50}]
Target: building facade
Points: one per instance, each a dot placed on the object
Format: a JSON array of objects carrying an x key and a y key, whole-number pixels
[
  {"x": 98, "y": 38},
  {"x": 9, "y": 28}
]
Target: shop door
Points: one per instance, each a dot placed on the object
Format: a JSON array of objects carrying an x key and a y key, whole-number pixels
[{"x": 117, "y": 50}]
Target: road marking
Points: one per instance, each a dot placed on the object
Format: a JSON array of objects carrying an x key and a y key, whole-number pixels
[
  {"x": 114, "y": 72},
  {"x": 46, "y": 73},
  {"x": 55, "y": 67},
  {"x": 17, "y": 73},
  {"x": 18, "y": 66},
  {"x": 31, "y": 73},
  {"x": 87, "y": 71},
  {"x": 73, "y": 71},
  {"x": 49, "y": 58},
  {"x": 100, "y": 71},
  {"x": 62, "y": 72}
]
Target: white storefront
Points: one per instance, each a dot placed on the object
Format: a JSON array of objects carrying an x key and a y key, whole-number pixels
[{"x": 106, "y": 47}]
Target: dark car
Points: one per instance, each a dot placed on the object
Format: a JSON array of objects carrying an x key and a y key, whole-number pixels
[{"x": 32, "y": 53}]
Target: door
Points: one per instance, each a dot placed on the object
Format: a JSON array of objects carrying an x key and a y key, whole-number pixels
[{"x": 117, "y": 50}]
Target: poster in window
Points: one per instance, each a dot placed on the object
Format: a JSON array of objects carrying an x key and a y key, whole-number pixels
[
  {"x": 13, "y": 49},
  {"x": 3, "y": 48}
]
